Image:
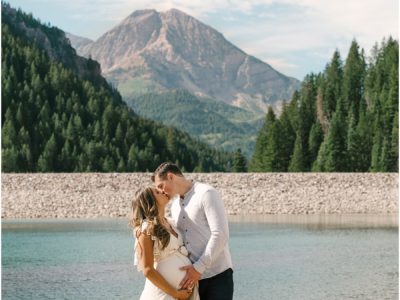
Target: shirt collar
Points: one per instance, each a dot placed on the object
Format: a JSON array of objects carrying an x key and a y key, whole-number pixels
[{"x": 189, "y": 191}]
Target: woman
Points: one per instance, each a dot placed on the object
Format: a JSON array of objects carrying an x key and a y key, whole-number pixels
[{"x": 159, "y": 249}]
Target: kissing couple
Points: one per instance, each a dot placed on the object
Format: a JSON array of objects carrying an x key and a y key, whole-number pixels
[{"x": 183, "y": 254}]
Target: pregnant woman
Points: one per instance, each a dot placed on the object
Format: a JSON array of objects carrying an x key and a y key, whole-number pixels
[{"x": 159, "y": 249}]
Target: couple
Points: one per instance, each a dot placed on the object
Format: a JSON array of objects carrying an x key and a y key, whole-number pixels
[{"x": 184, "y": 255}]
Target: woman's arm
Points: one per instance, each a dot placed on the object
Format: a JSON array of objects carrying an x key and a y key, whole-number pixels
[{"x": 147, "y": 260}]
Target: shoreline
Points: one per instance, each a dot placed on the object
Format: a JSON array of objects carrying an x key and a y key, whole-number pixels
[
  {"x": 97, "y": 195},
  {"x": 390, "y": 220}
]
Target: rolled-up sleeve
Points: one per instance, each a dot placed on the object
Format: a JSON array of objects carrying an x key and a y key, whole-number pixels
[{"x": 216, "y": 217}]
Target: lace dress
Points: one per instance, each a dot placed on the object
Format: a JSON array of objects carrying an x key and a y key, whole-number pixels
[{"x": 167, "y": 262}]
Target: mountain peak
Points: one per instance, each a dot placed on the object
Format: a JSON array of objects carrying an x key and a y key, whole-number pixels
[
  {"x": 176, "y": 12},
  {"x": 142, "y": 12},
  {"x": 173, "y": 50},
  {"x": 139, "y": 16}
]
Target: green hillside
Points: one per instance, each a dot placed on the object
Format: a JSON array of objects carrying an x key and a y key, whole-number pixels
[{"x": 214, "y": 122}]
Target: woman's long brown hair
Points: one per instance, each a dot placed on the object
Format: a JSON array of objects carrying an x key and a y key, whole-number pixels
[{"x": 144, "y": 207}]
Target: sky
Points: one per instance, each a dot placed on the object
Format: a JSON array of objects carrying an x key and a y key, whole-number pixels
[{"x": 296, "y": 37}]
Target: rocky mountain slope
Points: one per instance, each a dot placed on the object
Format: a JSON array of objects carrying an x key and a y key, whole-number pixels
[{"x": 155, "y": 51}]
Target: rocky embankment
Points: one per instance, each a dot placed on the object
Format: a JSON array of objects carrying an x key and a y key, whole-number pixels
[{"x": 91, "y": 195}]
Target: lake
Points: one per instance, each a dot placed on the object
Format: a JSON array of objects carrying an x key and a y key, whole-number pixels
[{"x": 275, "y": 257}]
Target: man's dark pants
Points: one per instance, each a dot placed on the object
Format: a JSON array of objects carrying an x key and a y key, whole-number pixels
[{"x": 219, "y": 287}]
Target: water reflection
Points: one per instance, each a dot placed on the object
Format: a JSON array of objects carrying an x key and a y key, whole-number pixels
[{"x": 324, "y": 221}]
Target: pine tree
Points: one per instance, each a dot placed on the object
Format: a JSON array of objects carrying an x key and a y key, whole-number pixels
[
  {"x": 93, "y": 155},
  {"x": 239, "y": 162},
  {"x": 133, "y": 159},
  {"x": 108, "y": 165},
  {"x": 394, "y": 154},
  {"x": 353, "y": 79},
  {"x": 332, "y": 87},
  {"x": 385, "y": 157},
  {"x": 307, "y": 116},
  {"x": 297, "y": 163},
  {"x": 9, "y": 134},
  {"x": 315, "y": 139},
  {"x": 335, "y": 156},
  {"x": 272, "y": 158},
  {"x": 25, "y": 159},
  {"x": 119, "y": 136},
  {"x": 320, "y": 163},
  {"x": 364, "y": 133},
  {"x": 67, "y": 160},
  {"x": 258, "y": 163},
  {"x": 287, "y": 137},
  {"x": 47, "y": 159},
  {"x": 9, "y": 160},
  {"x": 376, "y": 151},
  {"x": 121, "y": 165}
]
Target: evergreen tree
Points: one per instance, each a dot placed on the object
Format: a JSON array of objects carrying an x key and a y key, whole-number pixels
[
  {"x": 9, "y": 134},
  {"x": 394, "y": 155},
  {"x": 258, "y": 161},
  {"x": 353, "y": 78},
  {"x": 335, "y": 156},
  {"x": 47, "y": 159},
  {"x": 67, "y": 158},
  {"x": 9, "y": 160},
  {"x": 272, "y": 155},
  {"x": 306, "y": 116},
  {"x": 297, "y": 163},
  {"x": 287, "y": 137},
  {"x": 108, "y": 165},
  {"x": 315, "y": 140},
  {"x": 332, "y": 87},
  {"x": 239, "y": 162},
  {"x": 133, "y": 159}
]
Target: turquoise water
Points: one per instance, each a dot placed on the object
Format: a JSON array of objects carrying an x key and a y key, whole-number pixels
[{"x": 274, "y": 258}]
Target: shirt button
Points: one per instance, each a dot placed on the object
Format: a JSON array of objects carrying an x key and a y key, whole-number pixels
[
  {"x": 183, "y": 217},
  {"x": 186, "y": 230}
]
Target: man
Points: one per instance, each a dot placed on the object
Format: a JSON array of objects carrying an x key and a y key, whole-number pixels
[{"x": 198, "y": 212}]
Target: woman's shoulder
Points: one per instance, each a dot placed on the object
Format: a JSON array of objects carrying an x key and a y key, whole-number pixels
[{"x": 144, "y": 228}]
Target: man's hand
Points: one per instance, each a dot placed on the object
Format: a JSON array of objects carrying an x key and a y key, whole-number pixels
[{"x": 191, "y": 277}]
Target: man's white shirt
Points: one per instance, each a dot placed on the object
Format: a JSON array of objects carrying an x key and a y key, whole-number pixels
[{"x": 201, "y": 219}]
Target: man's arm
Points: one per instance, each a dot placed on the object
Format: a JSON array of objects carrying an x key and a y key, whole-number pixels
[{"x": 216, "y": 217}]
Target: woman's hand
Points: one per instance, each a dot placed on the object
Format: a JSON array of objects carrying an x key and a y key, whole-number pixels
[{"x": 183, "y": 294}]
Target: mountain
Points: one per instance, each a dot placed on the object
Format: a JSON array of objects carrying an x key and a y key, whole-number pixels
[
  {"x": 217, "y": 123},
  {"x": 152, "y": 51},
  {"x": 78, "y": 41},
  {"x": 60, "y": 115}
]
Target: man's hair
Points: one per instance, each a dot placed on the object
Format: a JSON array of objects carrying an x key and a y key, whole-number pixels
[{"x": 164, "y": 169}]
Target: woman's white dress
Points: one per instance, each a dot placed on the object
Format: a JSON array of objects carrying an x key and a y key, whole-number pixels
[{"x": 167, "y": 262}]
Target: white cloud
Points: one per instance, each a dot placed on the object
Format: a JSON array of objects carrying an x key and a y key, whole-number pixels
[{"x": 282, "y": 65}]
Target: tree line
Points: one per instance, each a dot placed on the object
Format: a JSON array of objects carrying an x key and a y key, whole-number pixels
[{"x": 344, "y": 119}]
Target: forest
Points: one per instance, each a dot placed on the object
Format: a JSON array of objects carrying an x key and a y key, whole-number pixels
[{"x": 344, "y": 119}]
